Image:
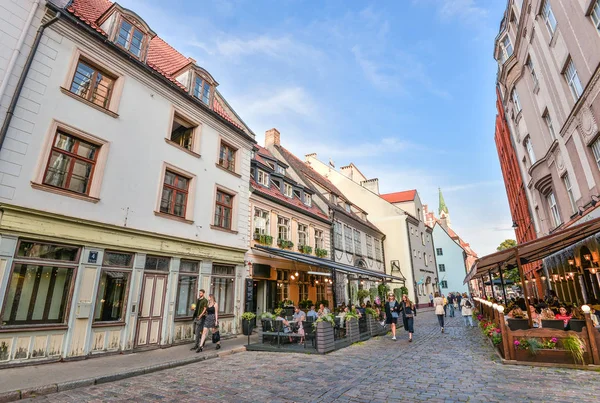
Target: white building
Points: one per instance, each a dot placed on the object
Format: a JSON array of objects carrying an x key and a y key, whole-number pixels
[
  {"x": 450, "y": 258},
  {"x": 125, "y": 190},
  {"x": 408, "y": 245}
]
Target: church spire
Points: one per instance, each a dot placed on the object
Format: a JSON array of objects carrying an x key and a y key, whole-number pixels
[{"x": 442, "y": 207}]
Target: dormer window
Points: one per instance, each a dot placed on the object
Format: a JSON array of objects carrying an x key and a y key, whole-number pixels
[
  {"x": 287, "y": 190},
  {"x": 333, "y": 198},
  {"x": 130, "y": 38},
  {"x": 201, "y": 89},
  {"x": 280, "y": 170},
  {"x": 348, "y": 207},
  {"x": 307, "y": 199},
  {"x": 262, "y": 177}
]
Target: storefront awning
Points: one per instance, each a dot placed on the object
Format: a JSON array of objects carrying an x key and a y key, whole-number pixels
[
  {"x": 534, "y": 250},
  {"x": 325, "y": 263}
]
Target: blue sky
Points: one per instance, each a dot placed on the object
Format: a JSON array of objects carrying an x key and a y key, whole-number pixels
[{"x": 405, "y": 89}]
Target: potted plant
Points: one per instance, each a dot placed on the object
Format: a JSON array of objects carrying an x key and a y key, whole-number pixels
[
  {"x": 320, "y": 252},
  {"x": 305, "y": 249},
  {"x": 576, "y": 346},
  {"x": 247, "y": 323},
  {"x": 362, "y": 294},
  {"x": 265, "y": 240}
]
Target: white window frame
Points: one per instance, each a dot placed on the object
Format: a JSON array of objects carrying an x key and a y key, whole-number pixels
[
  {"x": 348, "y": 240},
  {"x": 529, "y": 148},
  {"x": 595, "y": 146},
  {"x": 261, "y": 221},
  {"x": 534, "y": 77},
  {"x": 283, "y": 228},
  {"x": 319, "y": 240},
  {"x": 348, "y": 208},
  {"x": 506, "y": 44},
  {"x": 441, "y": 267},
  {"x": 369, "y": 243},
  {"x": 549, "y": 18},
  {"x": 303, "y": 235},
  {"x": 307, "y": 199},
  {"x": 595, "y": 15},
  {"x": 549, "y": 124},
  {"x": 573, "y": 80},
  {"x": 280, "y": 170},
  {"x": 553, "y": 207},
  {"x": 569, "y": 189},
  {"x": 357, "y": 242},
  {"x": 516, "y": 101},
  {"x": 262, "y": 177},
  {"x": 288, "y": 190}
]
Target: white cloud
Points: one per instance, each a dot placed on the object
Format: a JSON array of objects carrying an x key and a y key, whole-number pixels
[
  {"x": 464, "y": 186},
  {"x": 278, "y": 101},
  {"x": 462, "y": 9}
]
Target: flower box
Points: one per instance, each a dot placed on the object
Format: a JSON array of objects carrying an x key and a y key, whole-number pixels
[
  {"x": 320, "y": 252},
  {"x": 553, "y": 324},
  {"x": 576, "y": 325},
  {"x": 518, "y": 324},
  {"x": 550, "y": 356}
]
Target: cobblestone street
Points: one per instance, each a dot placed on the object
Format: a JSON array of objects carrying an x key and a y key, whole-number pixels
[{"x": 456, "y": 366}]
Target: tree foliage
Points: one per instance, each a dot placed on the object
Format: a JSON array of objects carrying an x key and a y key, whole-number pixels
[{"x": 506, "y": 244}]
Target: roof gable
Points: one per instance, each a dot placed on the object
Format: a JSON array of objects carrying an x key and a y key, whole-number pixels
[{"x": 400, "y": 197}]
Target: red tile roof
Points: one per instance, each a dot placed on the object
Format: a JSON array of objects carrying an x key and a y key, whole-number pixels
[
  {"x": 399, "y": 197},
  {"x": 294, "y": 201},
  {"x": 162, "y": 57}
]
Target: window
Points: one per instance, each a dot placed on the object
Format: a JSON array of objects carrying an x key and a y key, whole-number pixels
[
  {"x": 348, "y": 239},
  {"x": 182, "y": 133},
  {"x": 439, "y": 251},
  {"x": 302, "y": 292},
  {"x": 422, "y": 238},
  {"x": 357, "y": 243},
  {"x": 442, "y": 267},
  {"x": 287, "y": 189},
  {"x": 444, "y": 284},
  {"x": 307, "y": 199},
  {"x": 302, "y": 234},
  {"x": 506, "y": 48},
  {"x": 92, "y": 84},
  {"x": 321, "y": 292},
  {"x": 319, "y": 241},
  {"x": 261, "y": 222},
  {"x": 337, "y": 232},
  {"x": 556, "y": 221},
  {"x": 187, "y": 285},
  {"x": 567, "y": 183},
  {"x": 595, "y": 14},
  {"x": 573, "y": 80},
  {"x": 516, "y": 101},
  {"x": 532, "y": 71},
  {"x": 283, "y": 228},
  {"x": 529, "y": 148},
  {"x": 378, "y": 254},
  {"x": 223, "y": 287},
  {"x": 130, "y": 38},
  {"x": 227, "y": 157},
  {"x": 425, "y": 259},
  {"x": 223, "y": 210},
  {"x": 262, "y": 177},
  {"x": 419, "y": 254},
  {"x": 40, "y": 293},
  {"x": 283, "y": 286},
  {"x": 113, "y": 287},
  {"x": 71, "y": 163},
  {"x": 596, "y": 150},
  {"x": 548, "y": 16},
  {"x": 174, "y": 194},
  {"x": 549, "y": 125},
  {"x": 280, "y": 170},
  {"x": 348, "y": 207},
  {"x": 369, "y": 246},
  {"x": 201, "y": 90},
  {"x": 157, "y": 263}
]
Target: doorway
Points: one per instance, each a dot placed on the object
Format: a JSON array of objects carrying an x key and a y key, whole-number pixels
[
  {"x": 265, "y": 296},
  {"x": 149, "y": 323}
]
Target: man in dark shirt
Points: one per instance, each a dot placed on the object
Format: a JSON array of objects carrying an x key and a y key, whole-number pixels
[{"x": 199, "y": 316}]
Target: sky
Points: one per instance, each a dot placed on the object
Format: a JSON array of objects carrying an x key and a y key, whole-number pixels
[{"x": 404, "y": 89}]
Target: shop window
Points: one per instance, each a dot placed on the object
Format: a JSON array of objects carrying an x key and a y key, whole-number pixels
[
  {"x": 223, "y": 288},
  {"x": 186, "y": 288},
  {"x": 46, "y": 251},
  {"x": 112, "y": 296},
  {"x": 157, "y": 263}
]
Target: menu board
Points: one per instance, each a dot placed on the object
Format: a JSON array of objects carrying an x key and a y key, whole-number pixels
[{"x": 249, "y": 295}]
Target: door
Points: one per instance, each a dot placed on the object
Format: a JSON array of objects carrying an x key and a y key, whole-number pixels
[{"x": 149, "y": 324}]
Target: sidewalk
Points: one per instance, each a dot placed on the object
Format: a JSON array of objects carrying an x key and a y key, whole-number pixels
[{"x": 24, "y": 382}]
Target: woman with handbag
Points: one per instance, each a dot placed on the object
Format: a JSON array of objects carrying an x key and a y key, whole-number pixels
[
  {"x": 212, "y": 323},
  {"x": 392, "y": 307},
  {"x": 438, "y": 303},
  {"x": 409, "y": 311}
]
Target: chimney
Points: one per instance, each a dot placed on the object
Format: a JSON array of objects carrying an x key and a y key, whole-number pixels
[
  {"x": 307, "y": 157},
  {"x": 372, "y": 185},
  {"x": 272, "y": 138},
  {"x": 347, "y": 171}
]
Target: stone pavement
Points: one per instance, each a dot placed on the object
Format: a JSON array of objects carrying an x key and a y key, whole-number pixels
[
  {"x": 459, "y": 365},
  {"x": 49, "y": 378}
]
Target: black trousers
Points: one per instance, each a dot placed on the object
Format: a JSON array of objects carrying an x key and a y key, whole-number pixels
[
  {"x": 198, "y": 330},
  {"x": 441, "y": 320}
]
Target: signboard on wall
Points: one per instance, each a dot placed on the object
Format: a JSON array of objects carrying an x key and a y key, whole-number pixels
[
  {"x": 261, "y": 271},
  {"x": 249, "y": 295}
]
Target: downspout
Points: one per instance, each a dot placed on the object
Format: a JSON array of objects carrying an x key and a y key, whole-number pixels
[
  {"x": 332, "y": 250},
  {"x": 17, "y": 50},
  {"x": 13, "y": 103},
  {"x": 412, "y": 264}
]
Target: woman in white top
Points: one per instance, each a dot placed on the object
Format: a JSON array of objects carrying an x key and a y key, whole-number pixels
[
  {"x": 438, "y": 303},
  {"x": 467, "y": 310}
]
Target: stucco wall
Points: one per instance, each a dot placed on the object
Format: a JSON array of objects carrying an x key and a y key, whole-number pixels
[{"x": 453, "y": 260}]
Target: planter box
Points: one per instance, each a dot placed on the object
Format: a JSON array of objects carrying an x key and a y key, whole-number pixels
[
  {"x": 518, "y": 324},
  {"x": 353, "y": 331},
  {"x": 576, "y": 325},
  {"x": 553, "y": 324},
  {"x": 324, "y": 337},
  {"x": 550, "y": 356},
  {"x": 375, "y": 328}
]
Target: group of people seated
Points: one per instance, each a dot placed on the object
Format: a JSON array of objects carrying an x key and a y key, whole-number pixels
[{"x": 295, "y": 324}]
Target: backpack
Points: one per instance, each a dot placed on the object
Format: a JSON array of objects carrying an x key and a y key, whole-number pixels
[{"x": 468, "y": 304}]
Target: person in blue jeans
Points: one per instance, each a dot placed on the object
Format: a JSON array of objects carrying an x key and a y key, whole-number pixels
[
  {"x": 451, "y": 304},
  {"x": 467, "y": 310}
]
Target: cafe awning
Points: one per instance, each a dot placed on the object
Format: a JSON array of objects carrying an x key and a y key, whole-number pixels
[
  {"x": 326, "y": 263},
  {"x": 535, "y": 250}
]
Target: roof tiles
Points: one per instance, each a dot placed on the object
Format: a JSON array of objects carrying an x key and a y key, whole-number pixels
[{"x": 400, "y": 197}]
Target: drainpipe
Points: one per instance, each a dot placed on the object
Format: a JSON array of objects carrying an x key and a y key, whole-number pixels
[
  {"x": 13, "y": 102},
  {"x": 332, "y": 251}
]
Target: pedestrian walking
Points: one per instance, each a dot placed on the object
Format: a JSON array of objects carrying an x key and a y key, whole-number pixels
[
  {"x": 445, "y": 300},
  {"x": 211, "y": 322},
  {"x": 392, "y": 308},
  {"x": 467, "y": 310},
  {"x": 430, "y": 299},
  {"x": 438, "y": 303},
  {"x": 451, "y": 300},
  {"x": 409, "y": 311},
  {"x": 199, "y": 317}
]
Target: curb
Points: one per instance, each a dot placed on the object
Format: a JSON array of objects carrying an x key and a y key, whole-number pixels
[{"x": 15, "y": 395}]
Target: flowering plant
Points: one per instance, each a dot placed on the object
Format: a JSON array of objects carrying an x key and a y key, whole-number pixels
[
  {"x": 480, "y": 317},
  {"x": 497, "y": 337},
  {"x": 550, "y": 344},
  {"x": 517, "y": 343}
]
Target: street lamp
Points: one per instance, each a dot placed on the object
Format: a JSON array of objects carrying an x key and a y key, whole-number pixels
[{"x": 585, "y": 308}]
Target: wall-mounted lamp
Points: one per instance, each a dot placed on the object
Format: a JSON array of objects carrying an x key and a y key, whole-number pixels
[
  {"x": 588, "y": 257},
  {"x": 595, "y": 200},
  {"x": 571, "y": 261},
  {"x": 543, "y": 278}
]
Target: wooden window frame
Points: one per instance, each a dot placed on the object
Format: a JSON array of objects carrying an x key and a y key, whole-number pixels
[
  {"x": 106, "y": 252},
  {"x": 188, "y": 217},
  {"x": 157, "y": 270},
  {"x": 306, "y": 234},
  {"x": 196, "y": 130},
  {"x": 195, "y": 77},
  {"x": 369, "y": 246},
  {"x": 287, "y": 226},
  {"x": 267, "y": 228},
  {"x": 319, "y": 240},
  {"x": 38, "y": 259},
  {"x": 134, "y": 26},
  {"x": 228, "y": 278},
  {"x": 97, "y": 70},
  {"x": 221, "y": 161},
  {"x": 357, "y": 242},
  {"x": 176, "y": 190},
  {"x": 196, "y": 275},
  {"x": 265, "y": 179},
  {"x": 116, "y": 269},
  {"x": 224, "y": 206},
  {"x": 348, "y": 239},
  {"x": 95, "y": 182}
]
